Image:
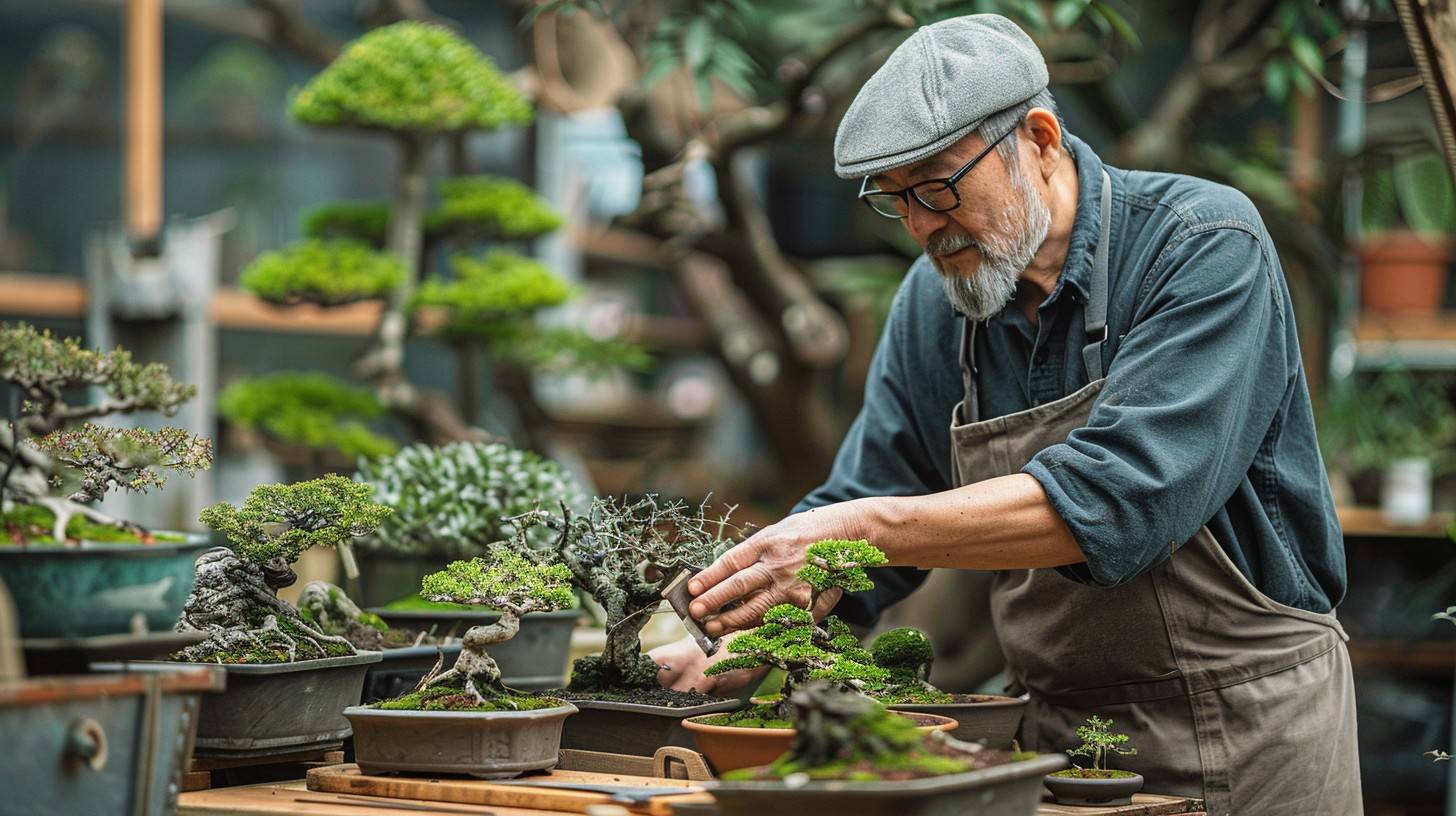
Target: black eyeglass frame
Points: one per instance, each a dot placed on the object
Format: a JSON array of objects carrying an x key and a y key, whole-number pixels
[{"x": 949, "y": 181}]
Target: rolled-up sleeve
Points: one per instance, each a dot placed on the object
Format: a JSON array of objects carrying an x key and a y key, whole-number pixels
[{"x": 1190, "y": 396}]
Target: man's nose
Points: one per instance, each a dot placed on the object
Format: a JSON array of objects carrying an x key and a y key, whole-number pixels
[{"x": 922, "y": 222}]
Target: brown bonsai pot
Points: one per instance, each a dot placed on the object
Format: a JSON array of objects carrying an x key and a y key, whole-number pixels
[
  {"x": 1103, "y": 791},
  {"x": 487, "y": 744},
  {"x": 985, "y": 718},
  {"x": 1403, "y": 273},
  {"x": 730, "y": 747}
]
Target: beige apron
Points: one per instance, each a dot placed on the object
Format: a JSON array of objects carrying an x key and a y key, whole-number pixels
[{"x": 1227, "y": 694}]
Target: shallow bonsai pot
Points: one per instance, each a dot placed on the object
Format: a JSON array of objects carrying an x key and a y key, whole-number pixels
[
  {"x": 102, "y": 745},
  {"x": 634, "y": 728},
  {"x": 730, "y": 747},
  {"x": 534, "y": 660},
  {"x": 1013, "y": 789},
  {"x": 401, "y": 670},
  {"x": 1102, "y": 792},
  {"x": 272, "y": 708},
  {"x": 487, "y": 744},
  {"x": 98, "y": 588},
  {"x": 992, "y": 721}
]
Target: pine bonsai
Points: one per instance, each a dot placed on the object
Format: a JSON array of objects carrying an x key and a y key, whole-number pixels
[
  {"x": 235, "y": 597},
  {"x": 54, "y": 462},
  {"x": 1100, "y": 743},
  {"x": 790, "y": 640},
  {"x": 417, "y": 84},
  {"x": 623, "y": 553},
  {"x": 511, "y": 584}
]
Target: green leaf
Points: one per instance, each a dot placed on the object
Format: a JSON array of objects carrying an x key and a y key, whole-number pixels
[
  {"x": 1119, "y": 23},
  {"x": 1307, "y": 54},
  {"x": 698, "y": 43},
  {"x": 704, "y": 85},
  {"x": 1423, "y": 185},
  {"x": 1066, "y": 13},
  {"x": 1276, "y": 80}
]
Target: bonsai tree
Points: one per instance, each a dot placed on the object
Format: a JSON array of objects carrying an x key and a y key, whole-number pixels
[
  {"x": 842, "y": 735},
  {"x": 420, "y": 84},
  {"x": 235, "y": 597},
  {"x": 312, "y": 411},
  {"x": 790, "y": 640},
  {"x": 623, "y": 553},
  {"x": 1099, "y": 743},
  {"x": 54, "y": 461},
  {"x": 455, "y": 500},
  {"x": 328, "y": 609},
  {"x": 906, "y": 653},
  {"x": 509, "y": 583}
]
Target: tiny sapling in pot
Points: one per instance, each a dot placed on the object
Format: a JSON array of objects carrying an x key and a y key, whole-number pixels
[
  {"x": 1096, "y": 784},
  {"x": 1099, "y": 743},
  {"x": 235, "y": 597},
  {"x": 509, "y": 583},
  {"x": 790, "y": 640}
]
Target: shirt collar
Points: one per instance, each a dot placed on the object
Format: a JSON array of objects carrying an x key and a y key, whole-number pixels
[{"x": 1077, "y": 268}]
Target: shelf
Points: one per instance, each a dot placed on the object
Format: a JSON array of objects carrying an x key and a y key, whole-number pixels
[
  {"x": 1367, "y": 522},
  {"x": 1414, "y": 341}
]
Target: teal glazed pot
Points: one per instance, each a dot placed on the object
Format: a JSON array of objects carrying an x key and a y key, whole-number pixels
[{"x": 97, "y": 589}]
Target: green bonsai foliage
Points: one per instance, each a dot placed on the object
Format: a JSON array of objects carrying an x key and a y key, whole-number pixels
[
  {"x": 411, "y": 76},
  {"x": 907, "y": 655},
  {"x": 311, "y": 410},
  {"x": 326, "y": 272},
  {"x": 235, "y": 597},
  {"x": 623, "y": 553},
  {"x": 490, "y": 207},
  {"x": 1099, "y": 743},
  {"x": 483, "y": 290},
  {"x": 842, "y": 735},
  {"x": 790, "y": 640},
  {"x": 54, "y": 459},
  {"x": 363, "y": 221},
  {"x": 454, "y": 500},
  {"x": 508, "y": 582}
]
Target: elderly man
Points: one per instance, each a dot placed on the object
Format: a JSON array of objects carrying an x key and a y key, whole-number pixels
[{"x": 1091, "y": 385}]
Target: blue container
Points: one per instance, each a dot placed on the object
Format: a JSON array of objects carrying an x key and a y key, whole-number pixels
[{"x": 97, "y": 589}]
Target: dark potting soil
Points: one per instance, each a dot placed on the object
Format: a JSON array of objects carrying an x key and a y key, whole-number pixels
[
  {"x": 1092, "y": 773},
  {"x": 657, "y": 697}
]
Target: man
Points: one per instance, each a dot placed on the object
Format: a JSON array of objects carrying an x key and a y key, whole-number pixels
[{"x": 1091, "y": 385}]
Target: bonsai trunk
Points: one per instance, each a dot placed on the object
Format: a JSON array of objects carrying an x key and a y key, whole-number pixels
[{"x": 482, "y": 677}]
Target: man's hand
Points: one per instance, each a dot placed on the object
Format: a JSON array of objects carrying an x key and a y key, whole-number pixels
[
  {"x": 681, "y": 666},
  {"x": 762, "y": 571}
]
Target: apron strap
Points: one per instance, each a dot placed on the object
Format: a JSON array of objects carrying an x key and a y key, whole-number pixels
[
  {"x": 970, "y": 407},
  {"x": 1096, "y": 312}
]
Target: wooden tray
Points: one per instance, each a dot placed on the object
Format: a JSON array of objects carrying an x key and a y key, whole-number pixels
[
  {"x": 346, "y": 779},
  {"x": 1143, "y": 804}
]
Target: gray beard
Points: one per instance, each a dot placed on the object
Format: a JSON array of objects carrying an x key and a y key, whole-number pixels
[{"x": 1005, "y": 254}]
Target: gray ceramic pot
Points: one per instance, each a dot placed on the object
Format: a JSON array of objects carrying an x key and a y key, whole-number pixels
[
  {"x": 992, "y": 722},
  {"x": 1013, "y": 789},
  {"x": 634, "y": 728},
  {"x": 486, "y": 744},
  {"x": 1070, "y": 790},
  {"x": 98, "y": 588}
]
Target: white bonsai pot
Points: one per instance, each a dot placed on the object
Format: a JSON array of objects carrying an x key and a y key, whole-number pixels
[{"x": 1405, "y": 492}]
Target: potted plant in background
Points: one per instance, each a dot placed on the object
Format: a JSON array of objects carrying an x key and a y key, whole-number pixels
[
  {"x": 1409, "y": 213},
  {"x": 791, "y": 641},
  {"x": 906, "y": 653},
  {"x": 451, "y": 502},
  {"x": 1397, "y": 426},
  {"x": 1096, "y": 784},
  {"x": 288, "y": 681},
  {"x": 851, "y": 755},
  {"x": 75, "y": 571},
  {"x": 466, "y": 719}
]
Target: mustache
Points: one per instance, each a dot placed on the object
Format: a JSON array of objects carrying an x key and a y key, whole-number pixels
[{"x": 947, "y": 244}]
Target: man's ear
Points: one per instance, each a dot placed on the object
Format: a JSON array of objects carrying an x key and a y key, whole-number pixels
[{"x": 1046, "y": 133}]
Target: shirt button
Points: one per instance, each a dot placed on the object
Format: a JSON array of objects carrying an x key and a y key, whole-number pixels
[{"x": 1041, "y": 357}]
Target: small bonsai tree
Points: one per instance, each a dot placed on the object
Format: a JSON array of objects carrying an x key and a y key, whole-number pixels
[
  {"x": 1099, "y": 743},
  {"x": 310, "y": 410},
  {"x": 455, "y": 500},
  {"x": 509, "y": 583},
  {"x": 790, "y": 640},
  {"x": 235, "y": 597},
  {"x": 328, "y": 609},
  {"x": 55, "y": 461},
  {"x": 623, "y": 553},
  {"x": 842, "y": 735}
]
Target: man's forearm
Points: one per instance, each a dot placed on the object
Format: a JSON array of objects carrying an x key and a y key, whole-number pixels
[{"x": 1002, "y": 523}]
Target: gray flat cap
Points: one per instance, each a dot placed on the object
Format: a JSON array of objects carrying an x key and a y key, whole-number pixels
[{"x": 939, "y": 85}]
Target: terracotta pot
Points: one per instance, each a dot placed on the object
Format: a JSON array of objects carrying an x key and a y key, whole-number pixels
[
  {"x": 1072, "y": 790},
  {"x": 1403, "y": 273},
  {"x": 730, "y": 747},
  {"x": 990, "y": 720}
]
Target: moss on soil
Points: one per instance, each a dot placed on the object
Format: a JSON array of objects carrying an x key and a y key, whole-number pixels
[
  {"x": 276, "y": 654},
  {"x": 1092, "y": 773},
  {"x": 453, "y": 698},
  {"x": 31, "y": 526},
  {"x": 755, "y": 716}
]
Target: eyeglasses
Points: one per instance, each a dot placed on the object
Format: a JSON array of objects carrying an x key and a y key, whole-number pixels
[{"x": 937, "y": 195}]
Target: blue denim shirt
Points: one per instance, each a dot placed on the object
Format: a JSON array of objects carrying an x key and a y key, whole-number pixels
[{"x": 1205, "y": 417}]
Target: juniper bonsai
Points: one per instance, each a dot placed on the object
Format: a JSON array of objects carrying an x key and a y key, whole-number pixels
[
  {"x": 53, "y": 459},
  {"x": 1100, "y": 743},
  {"x": 511, "y": 584},
  {"x": 235, "y": 597},
  {"x": 623, "y": 553},
  {"x": 790, "y": 640}
]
